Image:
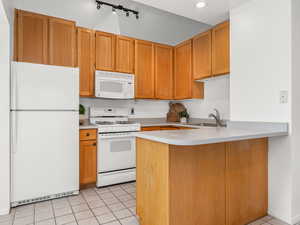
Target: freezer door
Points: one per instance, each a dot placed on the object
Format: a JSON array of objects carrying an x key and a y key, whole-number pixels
[
  {"x": 44, "y": 87},
  {"x": 45, "y": 154}
]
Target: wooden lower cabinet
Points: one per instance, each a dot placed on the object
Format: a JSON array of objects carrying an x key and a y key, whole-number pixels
[
  {"x": 247, "y": 183},
  {"x": 214, "y": 184},
  {"x": 88, "y": 159}
]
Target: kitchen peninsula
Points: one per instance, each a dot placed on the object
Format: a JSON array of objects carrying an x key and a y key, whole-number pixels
[{"x": 206, "y": 176}]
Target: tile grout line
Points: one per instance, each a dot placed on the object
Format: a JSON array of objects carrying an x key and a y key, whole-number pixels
[
  {"x": 73, "y": 213},
  {"x": 107, "y": 206},
  {"x": 122, "y": 202}
]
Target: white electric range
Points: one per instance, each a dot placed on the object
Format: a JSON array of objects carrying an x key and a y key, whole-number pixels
[{"x": 116, "y": 145}]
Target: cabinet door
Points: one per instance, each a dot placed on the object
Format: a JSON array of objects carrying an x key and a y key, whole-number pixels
[
  {"x": 183, "y": 70},
  {"x": 202, "y": 55},
  {"x": 220, "y": 49},
  {"x": 163, "y": 72},
  {"x": 144, "y": 69},
  {"x": 86, "y": 60},
  {"x": 62, "y": 42},
  {"x": 125, "y": 55},
  {"x": 31, "y": 36},
  {"x": 105, "y": 51},
  {"x": 88, "y": 162},
  {"x": 247, "y": 181}
]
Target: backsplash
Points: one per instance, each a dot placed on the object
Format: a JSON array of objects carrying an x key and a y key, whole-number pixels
[{"x": 216, "y": 96}]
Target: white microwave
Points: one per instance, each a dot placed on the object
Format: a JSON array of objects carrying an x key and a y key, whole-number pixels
[{"x": 114, "y": 85}]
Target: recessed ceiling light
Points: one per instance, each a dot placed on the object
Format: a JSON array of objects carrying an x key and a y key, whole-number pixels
[{"x": 200, "y": 4}]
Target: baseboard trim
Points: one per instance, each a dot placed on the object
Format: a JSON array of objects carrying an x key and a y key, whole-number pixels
[
  {"x": 277, "y": 216},
  {"x": 4, "y": 211},
  {"x": 296, "y": 220}
]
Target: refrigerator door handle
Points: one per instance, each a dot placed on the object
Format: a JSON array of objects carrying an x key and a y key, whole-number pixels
[
  {"x": 14, "y": 90},
  {"x": 14, "y": 132}
]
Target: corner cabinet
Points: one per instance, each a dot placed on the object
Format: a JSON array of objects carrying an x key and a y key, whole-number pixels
[
  {"x": 62, "y": 42},
  {"x": 88, "y": 157},
  {"x": 31, "y": 37},
  {"x": 86, "y": 60},
  {"x": 221, "y": 49},
  {"x": 105, "y": 51},
  {"x": 144, "y": 70},
  {"x": 163, "y": 60},
  {"x": 124, "y": 54}
]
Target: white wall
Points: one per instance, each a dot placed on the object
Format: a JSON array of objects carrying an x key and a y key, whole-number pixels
[
  {"x": 4, "y": 113},
  {"x": 296, "y": 109},
  {"x": 261, "y": 60},
  {"x": 260, "y": 68},
  {"x": 154, "y": 25},
  {"x": 216, "y": 96}
]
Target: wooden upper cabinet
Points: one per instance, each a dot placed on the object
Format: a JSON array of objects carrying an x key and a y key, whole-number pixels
[
  {"x": 202, "y": 55},
  {"x": 86, "y": 60},
  {"x": 124, "y": 54},
  {"x": 183, "y": 70},
  {"x": 105, "y": 51},
  {"x": 221, "y": 49},
  {"x": 62, "y": 42},
  {"x": 163, "y": 72},
  {"x": 31, "y": 37},
  {"x": 144, "y": 69}
]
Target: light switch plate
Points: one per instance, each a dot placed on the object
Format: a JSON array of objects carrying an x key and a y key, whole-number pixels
[{"x": 284, "y": 97}]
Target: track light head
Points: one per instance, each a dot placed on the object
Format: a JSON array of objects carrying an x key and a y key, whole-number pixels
[
  {"x": 114, "y": 10},
  {"x": 127, "y": 13},
  {"x": 137, "y": 16},
  {"x": 98, "y": 6}
]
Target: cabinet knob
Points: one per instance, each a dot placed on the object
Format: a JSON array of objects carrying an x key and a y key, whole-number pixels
[
  {"x": 87, "y": 134},
  {"x": 95, "y": 144}
]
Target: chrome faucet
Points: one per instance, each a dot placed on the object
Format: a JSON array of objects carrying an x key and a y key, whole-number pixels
[{"x": 217, "y": 117}]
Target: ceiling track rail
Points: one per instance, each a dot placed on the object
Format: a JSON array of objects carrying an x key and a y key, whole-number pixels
[{"x": 117, "y": 7}]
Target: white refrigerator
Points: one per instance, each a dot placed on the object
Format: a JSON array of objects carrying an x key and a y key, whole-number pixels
[{"x": 45, "y": 132}]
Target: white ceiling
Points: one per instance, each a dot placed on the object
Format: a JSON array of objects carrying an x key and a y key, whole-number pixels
[{"x": 215, "y": 12}]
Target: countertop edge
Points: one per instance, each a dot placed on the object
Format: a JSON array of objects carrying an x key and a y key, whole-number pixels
[{"x": 212, "y": 140}]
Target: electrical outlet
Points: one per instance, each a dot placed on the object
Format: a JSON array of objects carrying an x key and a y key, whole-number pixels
[{"x": 284, "y": 97}]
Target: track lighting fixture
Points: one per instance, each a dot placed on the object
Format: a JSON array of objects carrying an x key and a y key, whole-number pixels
[{"x": 119, "y": 7}]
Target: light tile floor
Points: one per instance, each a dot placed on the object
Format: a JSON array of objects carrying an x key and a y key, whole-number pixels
[{"x": 113, "y": 205}]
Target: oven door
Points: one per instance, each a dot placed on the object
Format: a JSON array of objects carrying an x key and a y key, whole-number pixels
[{"x": 116, "y": 151}]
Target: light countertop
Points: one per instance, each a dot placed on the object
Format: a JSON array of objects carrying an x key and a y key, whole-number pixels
[
  {"x": 85, "y": 124},
  {"x": 209, "y": 135}
]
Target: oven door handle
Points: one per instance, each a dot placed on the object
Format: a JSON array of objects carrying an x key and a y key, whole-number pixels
[{"x": 116, "y": 135}]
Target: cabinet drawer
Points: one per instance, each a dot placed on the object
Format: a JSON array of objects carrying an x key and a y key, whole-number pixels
[{"x": 88, "y": 134}]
